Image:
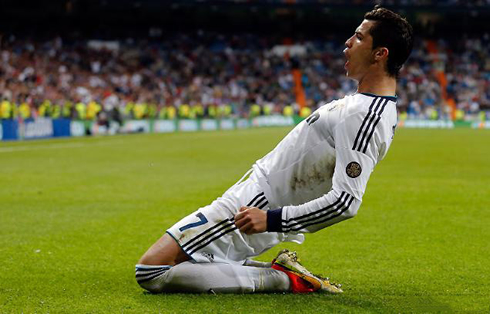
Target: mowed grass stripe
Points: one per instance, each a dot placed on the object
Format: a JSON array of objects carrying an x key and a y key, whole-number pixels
[{"x": 78, "y": 219}]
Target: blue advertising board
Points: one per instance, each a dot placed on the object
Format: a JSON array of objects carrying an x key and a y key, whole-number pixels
[
  {"x": 10, "y": 130},
  {"x": 61, "y": 127}
]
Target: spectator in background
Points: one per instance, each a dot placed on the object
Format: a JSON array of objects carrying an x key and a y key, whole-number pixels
[{"x": 212, "y": 75}]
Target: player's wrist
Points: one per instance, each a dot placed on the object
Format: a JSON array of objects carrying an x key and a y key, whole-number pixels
[{"x": 274, "y": 220}]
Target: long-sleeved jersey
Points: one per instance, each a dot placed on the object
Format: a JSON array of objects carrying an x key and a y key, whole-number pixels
[{"x": 316, "y": 176}]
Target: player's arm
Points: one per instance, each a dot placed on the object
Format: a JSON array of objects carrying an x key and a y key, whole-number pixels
[
  {"x": 251, "y": 220},
  {"x": 357, "y": 154}
]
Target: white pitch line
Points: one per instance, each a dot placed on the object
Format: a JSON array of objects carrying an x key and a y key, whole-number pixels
[{"x": 14, "y": 149}]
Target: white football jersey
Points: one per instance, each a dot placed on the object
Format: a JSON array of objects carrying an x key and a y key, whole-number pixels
[{"x": 316, "y": 176}]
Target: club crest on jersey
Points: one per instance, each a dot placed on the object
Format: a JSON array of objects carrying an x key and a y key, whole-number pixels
[{"x": 353, "y": 169}]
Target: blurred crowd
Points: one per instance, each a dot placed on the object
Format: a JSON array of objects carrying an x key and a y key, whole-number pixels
[
  {"x": 372, "y": 2},
  {"x": 211, "y": 75},
  {"x": 447, "y": 76}
]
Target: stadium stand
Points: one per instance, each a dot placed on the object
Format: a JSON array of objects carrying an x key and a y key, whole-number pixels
[
  {"x": 210, "y": 74},
  {"x": 229, "y": 58}
]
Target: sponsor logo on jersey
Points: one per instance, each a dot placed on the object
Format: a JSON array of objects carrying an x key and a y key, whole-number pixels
[
  {"x": 312, "y": 119},
  {"x": 209, "y": 256},
  {"x": 353, "y": 169}
]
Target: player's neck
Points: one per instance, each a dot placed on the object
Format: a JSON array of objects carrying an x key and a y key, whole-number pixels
[{"x": 378, "y": 84}]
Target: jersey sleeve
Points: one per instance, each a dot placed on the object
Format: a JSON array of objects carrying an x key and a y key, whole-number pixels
[{"x": 358, "y": 139}]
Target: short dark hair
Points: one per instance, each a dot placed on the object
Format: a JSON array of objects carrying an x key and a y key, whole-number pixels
[{"x": 393, "y": 32}]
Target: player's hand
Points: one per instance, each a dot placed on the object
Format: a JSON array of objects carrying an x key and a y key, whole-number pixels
[{"x": 251, "y": 220}]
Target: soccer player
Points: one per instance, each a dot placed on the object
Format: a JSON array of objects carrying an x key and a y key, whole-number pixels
[{"x": 314, "y": 178}]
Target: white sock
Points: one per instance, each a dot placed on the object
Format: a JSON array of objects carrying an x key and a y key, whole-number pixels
[
  {"x": 211, "y": 277},
  {"x": 254, "y": 263}
]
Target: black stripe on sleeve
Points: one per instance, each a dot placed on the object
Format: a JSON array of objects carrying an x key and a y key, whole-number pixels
[
  {"x": 345, "y": 208},
  {"x": 368, "y": 129},
  {"x": 315, "y": 212},
  {"x": 364, "y": 122},
  {"x": 372, "y": 116},
  {"x": 320, "y": 214},
  {"x": 262, "y": 205},
  {"x": 259, "y": 201},
  {"x": 256, "y": 197},
  {"x": 374, "y": 127}
]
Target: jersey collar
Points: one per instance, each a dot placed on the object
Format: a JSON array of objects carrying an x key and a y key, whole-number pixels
[{"x": 392, "y": 98}]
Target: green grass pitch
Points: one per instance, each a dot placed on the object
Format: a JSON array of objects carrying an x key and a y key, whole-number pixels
[{"x": 76, "y": 214}]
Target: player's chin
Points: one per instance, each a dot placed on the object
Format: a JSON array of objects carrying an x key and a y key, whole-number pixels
[
  {"x": 352, "y": 77},
  {"x": 346, "y": 69}
]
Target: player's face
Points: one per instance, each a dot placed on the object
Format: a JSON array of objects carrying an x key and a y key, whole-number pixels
[{"x": 359, "y": 51}]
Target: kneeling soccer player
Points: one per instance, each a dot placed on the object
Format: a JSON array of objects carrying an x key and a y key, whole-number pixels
[{"x": 314, "y": 178}]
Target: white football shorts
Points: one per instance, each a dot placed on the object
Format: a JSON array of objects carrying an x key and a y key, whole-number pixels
[{"x": 210, "y": 235}]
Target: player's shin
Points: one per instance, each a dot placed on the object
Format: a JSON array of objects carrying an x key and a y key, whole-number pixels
[{"x": 214, "y": 277}]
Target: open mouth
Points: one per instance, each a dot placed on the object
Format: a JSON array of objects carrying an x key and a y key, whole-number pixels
[{"x": 347, "y": 59}]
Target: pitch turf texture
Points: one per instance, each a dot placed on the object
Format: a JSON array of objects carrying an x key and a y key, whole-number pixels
[{"x": 76, "y": 214}]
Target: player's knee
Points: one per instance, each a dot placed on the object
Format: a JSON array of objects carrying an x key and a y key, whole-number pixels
[
  {"x": 152, "y": 277},
  {"x": 149, "y": 258},
  {"x": 164, "y": 252}
]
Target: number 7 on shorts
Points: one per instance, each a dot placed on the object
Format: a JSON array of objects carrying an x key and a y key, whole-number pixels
[{"x": 202, "y": 221}]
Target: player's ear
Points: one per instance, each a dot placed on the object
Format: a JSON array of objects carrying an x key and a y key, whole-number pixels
[{"x": 381, "y": 53}]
